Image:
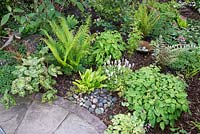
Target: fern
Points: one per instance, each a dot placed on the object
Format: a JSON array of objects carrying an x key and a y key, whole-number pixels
[
  {"x": 68, "y": 48},
  {"x": 146, "y": 19}
]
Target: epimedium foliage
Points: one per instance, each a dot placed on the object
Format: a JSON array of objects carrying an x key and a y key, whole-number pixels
[
  {"x": 161, "y": 96},
  {"x": 126, "y": 124},
  {"x": 68, "y": 48},
  {"x": 107, "y": 44},
  {"x": 90, "y": 80}
]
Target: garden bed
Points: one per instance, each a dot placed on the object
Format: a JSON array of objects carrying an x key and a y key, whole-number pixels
[{"x": 104, "y": 61}]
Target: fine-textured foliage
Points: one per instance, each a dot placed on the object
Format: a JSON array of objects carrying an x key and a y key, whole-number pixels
[
  {"x": 145, "y": 19},
  {"x": 187, "y": 62},
  {"x": 89, "y": 81},
  {"x": 68, "y": 48},
  {"x": 126, "y": 124},
  {"x": 161, "y": 96},
  {"x": 108, "y": 44}
]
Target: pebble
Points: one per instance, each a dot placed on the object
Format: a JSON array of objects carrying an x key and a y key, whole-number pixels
[
  {"x": 114, "y": 99},
  {"x": 95, "y": 100},
  {"x": 88, "y": 103},
  {"x": 75, "y": 96},
  {"x": 99, "y": 110},
  {"x": 93, "y": 106},
  {"x": 91, "y": 110},
  {"x": 100, "y": 104},
  {"x": 104, "y": 101}
]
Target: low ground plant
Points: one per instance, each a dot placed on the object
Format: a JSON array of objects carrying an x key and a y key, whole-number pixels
[{"x": 162, "y": 96}]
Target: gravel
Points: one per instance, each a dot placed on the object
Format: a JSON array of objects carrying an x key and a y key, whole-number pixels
[{"x": 97, "y": 102}]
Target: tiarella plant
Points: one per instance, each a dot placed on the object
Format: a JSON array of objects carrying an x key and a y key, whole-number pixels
[
  {"x": 162, "y": 96},
  {"x": 117, "y": 72},
  {"x": 108, "y": 44},
  {"x": 90, "y": 80},
  {"x": 68, "y": 48},
  {"x": 126, "y": 124}
]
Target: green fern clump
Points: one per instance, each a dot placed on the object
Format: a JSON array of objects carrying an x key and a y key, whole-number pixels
[
  {"x": 69, "y": 47},
  {"x": 145, "y": 19}
]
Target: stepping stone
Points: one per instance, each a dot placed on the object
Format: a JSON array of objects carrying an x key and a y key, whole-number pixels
[
  {"x": 42, "y": 119},
  {"x": 61, "y": 117},
  {"x": 75, "y": 125}
]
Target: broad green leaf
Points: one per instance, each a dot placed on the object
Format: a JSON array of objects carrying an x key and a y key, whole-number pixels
[
  {"x": 5, "y": 19},
  {"x": 18, "y": 10}
]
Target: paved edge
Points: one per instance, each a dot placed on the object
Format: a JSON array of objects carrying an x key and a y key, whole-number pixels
[{"x": 79, "y": 111}]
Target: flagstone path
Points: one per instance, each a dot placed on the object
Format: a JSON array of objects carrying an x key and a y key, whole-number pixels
[{"x": 30, "y": 116}]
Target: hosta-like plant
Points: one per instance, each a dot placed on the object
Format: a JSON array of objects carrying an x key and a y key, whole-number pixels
[
  {"x": 161, "y": 96},
  {"x": 33, "y": 75},
  {"x": 68, "y": 48},
  {"x": 90, "y": 80}
]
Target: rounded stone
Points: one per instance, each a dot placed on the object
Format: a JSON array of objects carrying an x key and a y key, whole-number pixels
[
  {"x": 114, "y": 99},
  {"x": 109, "y": 104},
  {"x": 104, "y": 101},
  {"x": 99, "y": 110},
  {"x": 100, "y": 104},
  {"x": 93, "y": 106},
  {"x": 95, "y": 100},
  {"x": 105, "y": 106},
  {"x": 91, "y": 110},
  {"x": 88, "y": 103},
  {"x": 75, "y": 96}
]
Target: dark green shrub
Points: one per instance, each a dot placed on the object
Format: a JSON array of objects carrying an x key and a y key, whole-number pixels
[{"x": 161, "y": 96}]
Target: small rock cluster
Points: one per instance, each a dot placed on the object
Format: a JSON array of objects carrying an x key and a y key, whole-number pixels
[{"x": 97, "y": 102}]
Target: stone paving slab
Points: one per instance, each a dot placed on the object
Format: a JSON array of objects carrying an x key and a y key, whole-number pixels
[
  {"x": 75, "y": 125},
  {"x": 61, "y": 117}
]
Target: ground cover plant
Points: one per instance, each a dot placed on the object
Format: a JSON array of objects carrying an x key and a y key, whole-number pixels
[{"x": 89, "y": 52}]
